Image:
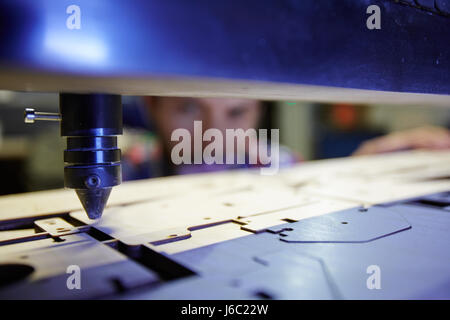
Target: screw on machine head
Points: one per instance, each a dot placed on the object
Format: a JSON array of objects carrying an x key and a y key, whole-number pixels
[{"x": 30, "y": 116}]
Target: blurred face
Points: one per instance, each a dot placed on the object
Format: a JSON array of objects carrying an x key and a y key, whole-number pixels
[{"x": 220, "y": 113}]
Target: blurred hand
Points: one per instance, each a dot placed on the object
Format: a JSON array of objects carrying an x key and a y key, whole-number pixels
[{"x": 431, "y": 138}]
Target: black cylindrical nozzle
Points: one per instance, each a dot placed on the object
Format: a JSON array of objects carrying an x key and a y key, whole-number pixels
[{"x": 91, "y": 122}]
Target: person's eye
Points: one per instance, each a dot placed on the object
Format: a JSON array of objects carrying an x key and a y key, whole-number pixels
[
  {"x": 189, "y": 107},
  {"x": 237, "y": 112}
]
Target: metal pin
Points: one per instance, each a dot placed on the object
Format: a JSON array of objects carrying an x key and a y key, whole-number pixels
[{"x": 30, "y": 116}]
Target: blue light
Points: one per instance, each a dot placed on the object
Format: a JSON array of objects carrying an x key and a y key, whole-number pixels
[{"x": 78, "y": 49}]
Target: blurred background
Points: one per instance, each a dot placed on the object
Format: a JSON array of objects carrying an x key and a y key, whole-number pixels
[{"x": 31, "y": 156}]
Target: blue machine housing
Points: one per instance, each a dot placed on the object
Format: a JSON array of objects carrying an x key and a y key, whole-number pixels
[{"x": 315, "y": 42}]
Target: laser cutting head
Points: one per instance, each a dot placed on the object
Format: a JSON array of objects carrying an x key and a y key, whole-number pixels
[
  {"x": 92, "y": 160},
  {"x": 91, "y": 122}
]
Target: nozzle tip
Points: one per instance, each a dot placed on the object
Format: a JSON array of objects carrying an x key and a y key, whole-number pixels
[{"x": 94, "y": 200}]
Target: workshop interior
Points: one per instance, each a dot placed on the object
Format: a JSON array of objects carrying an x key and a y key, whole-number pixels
[{"x": 116, "y": 120}]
